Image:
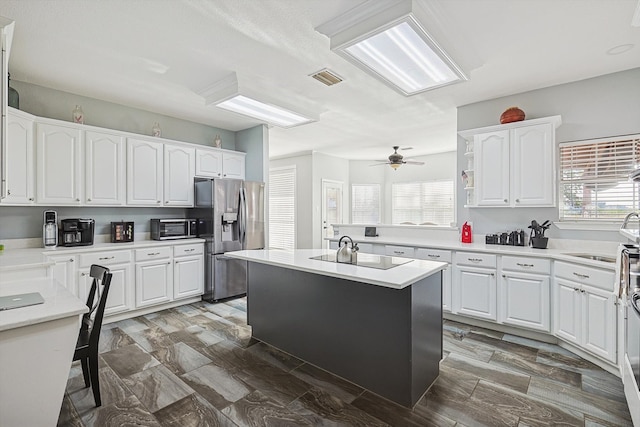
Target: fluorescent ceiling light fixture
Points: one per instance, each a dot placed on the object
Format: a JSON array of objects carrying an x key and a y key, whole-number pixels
[
  {"x": 386, "y": 39},
  {"x": 230, "y": 95}
]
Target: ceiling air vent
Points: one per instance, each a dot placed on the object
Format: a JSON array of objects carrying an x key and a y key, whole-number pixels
[{"x": 327, "y": 77}]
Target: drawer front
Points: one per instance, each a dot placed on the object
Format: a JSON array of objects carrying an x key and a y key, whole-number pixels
[
  {"x": 153, "y": 253},
  {"x": 433, "y": 255},
  {"x": 476, "y": 259},
  {"x": 595, "y": 277},
  {"x": 105, "y": 258},
  {"x": 193, "y": 249},
  {"x": 526, "y": 265},
  {"x": 401, "y": 251}
]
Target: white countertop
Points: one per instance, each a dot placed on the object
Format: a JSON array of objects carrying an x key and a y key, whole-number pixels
[
  {"x": 13, "y": 259},
  {"x": 398, "y": 277},
  {"x": 561, "y": 254},
  {"x": 58, "y": 303}
]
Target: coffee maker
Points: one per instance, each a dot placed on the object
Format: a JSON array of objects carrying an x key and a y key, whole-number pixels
[
  {"x": 76, "y": 232},
  {"x": 50, "y": 229}
]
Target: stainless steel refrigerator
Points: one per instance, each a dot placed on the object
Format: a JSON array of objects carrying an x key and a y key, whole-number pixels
[{"x": 230, "y": 215}]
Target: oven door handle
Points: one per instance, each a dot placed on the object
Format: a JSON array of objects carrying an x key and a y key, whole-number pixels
[{"x": 635, "y": 297}]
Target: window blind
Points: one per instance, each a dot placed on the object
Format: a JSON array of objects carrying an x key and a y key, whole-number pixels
[
  {"x": 594, "y": 178},
  {"x": 365, "y": 203},
  {"x": 430, "y": 202},
  {"x": 282, "y": 208}
]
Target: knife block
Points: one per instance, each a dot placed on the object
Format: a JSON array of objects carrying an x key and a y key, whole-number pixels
[{"x": 539, "y": 242}]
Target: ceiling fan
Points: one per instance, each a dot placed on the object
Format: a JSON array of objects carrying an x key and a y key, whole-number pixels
[{"x": 396, "y": 160}]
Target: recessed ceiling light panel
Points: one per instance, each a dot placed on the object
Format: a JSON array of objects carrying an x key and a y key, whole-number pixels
[
  {"x": 259, "y": 110},
  {"x": 387, "y": 39}
]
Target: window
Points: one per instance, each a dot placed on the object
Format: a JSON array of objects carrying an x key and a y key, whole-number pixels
[
  {"x": 282, "y": 207},
  {"x": 429, "y": 202},
  {"x": 365, "y": 204},
  {"x": 594, "y": 178}
]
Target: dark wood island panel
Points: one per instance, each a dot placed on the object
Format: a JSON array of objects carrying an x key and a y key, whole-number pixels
[{"x": 386, "y": 340}]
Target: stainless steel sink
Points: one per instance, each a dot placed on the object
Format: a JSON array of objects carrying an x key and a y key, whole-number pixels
[{"x": 600, "y": 258}]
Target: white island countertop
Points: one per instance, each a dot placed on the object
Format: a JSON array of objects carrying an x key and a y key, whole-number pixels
[
  {"x": 398, "y": 277},
  {"x": 58, "y": 303}
]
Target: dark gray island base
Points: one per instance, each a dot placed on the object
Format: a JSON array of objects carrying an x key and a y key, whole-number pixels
[{"x": 386, "y": 340}]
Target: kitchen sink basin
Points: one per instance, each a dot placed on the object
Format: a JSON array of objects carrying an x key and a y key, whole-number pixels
[{"x": 600, "y": 258}]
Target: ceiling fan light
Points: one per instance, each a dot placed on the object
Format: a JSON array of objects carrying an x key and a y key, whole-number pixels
[{"x": 395, "y": 166}]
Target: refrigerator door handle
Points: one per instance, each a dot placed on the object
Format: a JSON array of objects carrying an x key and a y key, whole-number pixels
[{"x": 243, "y": 217}]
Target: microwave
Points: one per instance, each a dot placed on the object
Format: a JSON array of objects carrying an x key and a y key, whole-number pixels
[{"x": 167, "y": 229}]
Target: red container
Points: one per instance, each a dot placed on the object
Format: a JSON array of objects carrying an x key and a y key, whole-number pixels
[
  {"x": 466, "y": 233},
  {"x": 510, "y": 115}
]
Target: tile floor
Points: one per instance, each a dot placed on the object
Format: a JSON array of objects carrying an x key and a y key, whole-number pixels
[{"x": 197, "y": 365}]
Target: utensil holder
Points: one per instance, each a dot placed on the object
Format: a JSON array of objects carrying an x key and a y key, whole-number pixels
[{"x": 539, "y": 242}]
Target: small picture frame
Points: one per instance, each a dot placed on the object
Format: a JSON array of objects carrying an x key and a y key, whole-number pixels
[{"x": 370, "y": 232}]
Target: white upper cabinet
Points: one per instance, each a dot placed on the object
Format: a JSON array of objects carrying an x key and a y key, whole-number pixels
[
  {"x": 105, "y": 170},
  {"x": 18, "y": 174},
  {"x": 233, "y": 165},
  {"x": 179, "y": 170},
  {"x": 208, "y": 163},
  {"x": 144, "y": 172},
  {"x": 59, "y": 164},
  {"x": 515, "y": 164}
]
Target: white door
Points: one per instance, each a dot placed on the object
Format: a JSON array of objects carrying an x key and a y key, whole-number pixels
[
  {"x": 188, "y": 276},
  {"x": 233, "y": 166},
  {"x": 525, "y": 300},
  {"x": 144, "y": 172},
  {"x": 154, "y": 281},
  {"x": 599, "y": 322},
  {"x": 19, "y": 174},
  {"x": 533, "y": 167},
  {"x": 64, "y": 271},
  {"x": 476, "y": 294},
  {"x": 446, "y": 289},
  {"x": 105, "y": 170},
  {"x": 331, "y": 208},
  {"x": 179, "y": 170},
  {"x": 568, "y": 310},
  {"x": 59, "y": 165},
  {"x": 492, "y": 168},
  {"x": 208, "y": 163}
]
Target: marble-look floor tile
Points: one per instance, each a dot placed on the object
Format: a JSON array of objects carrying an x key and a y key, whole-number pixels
[
  {"x": 217, "y": 385},
  {"x": 132, "y": 325},
  {"x": 168, "y": 321},
  {"x": 336, "y": 386},
  {"x": 275, "y": 383},
  {"x": 112, "y": 390},
  {"x": 396, "y": 415},
  {"x": 152, "y": 339},
  {"x": 197, "y": 336},
  {"x": 488, "y": 371},
  {"x": 467, "y": 348},
  {"x": 192, "y": 410},
  {"x": 538, "y": 345},
  {"x": 129, "y": 360},
  {"x": 239, "y": 303},
  {"x": 258, "y": 410},
  {"x": 188, "y": 310},
  {"x": 491, "y": 343},
  {"x": 528, "y": 409},
  {"x": 321, "y": 408},
  {"x": 180, "y": 358},
  {"x": 157, "y": 387},
  {"x": 529, "y": 367},
  {"x": 112, "y": 339},
  {"x": 128, "y": 412},
  {"x": 578, "y": 400},
  {"x": 68, "y": 417},
  {"x": 275, "y": 357}
]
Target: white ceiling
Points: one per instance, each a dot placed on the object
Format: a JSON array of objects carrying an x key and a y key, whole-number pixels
[{"x": 157, "y": 55}]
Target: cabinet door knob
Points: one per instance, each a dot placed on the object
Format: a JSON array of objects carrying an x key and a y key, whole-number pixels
[
  {"x": 158, "y": 201},
  {"x": 88, "y": 200},
  {"x": 31, "y": 199},
  {"x": 506, "y": 201},
  {"x": 8, "y": 192},
  {"x": 77, "y": 200},
  {"x": 83, "y": 274},
  {"x": 70, "y": 259},
  {"x": 517, "y": 200}
]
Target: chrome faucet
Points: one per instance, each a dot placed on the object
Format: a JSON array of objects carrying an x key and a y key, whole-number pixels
[{"x": 626, "y": 220}]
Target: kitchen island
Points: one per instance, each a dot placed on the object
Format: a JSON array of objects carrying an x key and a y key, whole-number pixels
[
  {"x": 379, "y": 328},
  {"x": 36, "y": 349}
]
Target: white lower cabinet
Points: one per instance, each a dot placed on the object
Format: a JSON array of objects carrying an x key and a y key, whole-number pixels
[
  {"x": 188, "y": 270},
  {"x": 119, "y": 298},
  {"x": 64, "y": 271},
  {"x": 524, "y": 294},
  {"x": 586, "y": 316},
  {"x": 442, "y": 256},
  {"x": 154, "y": 276},
  {"x": 474, "y": 286},
  {"x": 400, "y": 251}
]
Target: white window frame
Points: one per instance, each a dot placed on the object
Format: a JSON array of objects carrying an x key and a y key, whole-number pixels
[
  {"x": 626, "y": 160},
  {"x": 379, "y": 208},
  {"x": 293, "y": 239},
  {"x": 421, "y": 183}
]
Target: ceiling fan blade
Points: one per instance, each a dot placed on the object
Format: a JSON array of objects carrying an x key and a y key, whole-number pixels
[
  {"x": 413, "y": 162},
  {"x": 378, "y": 164}
]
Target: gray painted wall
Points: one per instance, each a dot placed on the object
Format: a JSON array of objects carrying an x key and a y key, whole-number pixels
[
  {"x": 253, "y": 142},
  {"x": 599, "y": 107},
  {"x": 26, "y": 222}
]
